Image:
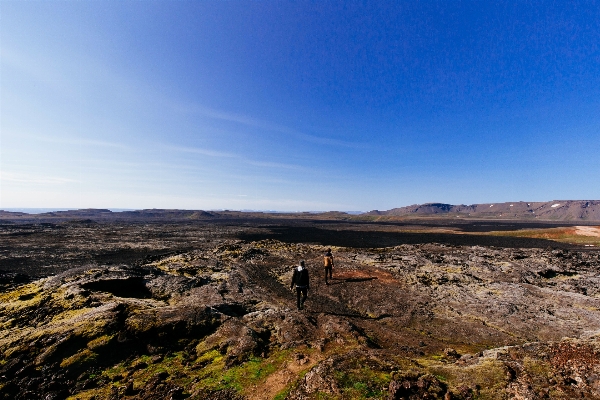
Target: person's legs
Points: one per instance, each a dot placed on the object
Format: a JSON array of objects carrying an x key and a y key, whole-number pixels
[
  {"x": 327, "y": 283},
  {"x": 304, "y": 295},
  {"x": 298, "y": 291}
]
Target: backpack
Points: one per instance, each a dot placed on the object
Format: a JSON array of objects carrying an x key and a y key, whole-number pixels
[{"x": 300, "y": 278}]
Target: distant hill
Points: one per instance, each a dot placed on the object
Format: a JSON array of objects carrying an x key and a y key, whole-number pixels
[
  {"x": 557, "y": 210},
  {"x": 107, "y": 215},
  {"x": 159, "y": 215}
]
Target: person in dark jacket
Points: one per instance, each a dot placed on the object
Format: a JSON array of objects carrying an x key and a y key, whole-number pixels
[{"x": 301, "y": 281}]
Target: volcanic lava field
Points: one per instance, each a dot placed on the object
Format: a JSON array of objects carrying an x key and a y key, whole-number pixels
[{"x": 202, "y": 309}]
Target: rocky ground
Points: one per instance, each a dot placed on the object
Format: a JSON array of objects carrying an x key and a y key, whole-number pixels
[{"x": 204, "y": 311}]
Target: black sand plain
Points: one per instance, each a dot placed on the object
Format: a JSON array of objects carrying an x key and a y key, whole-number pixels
[{"x": 36, "y": 247}]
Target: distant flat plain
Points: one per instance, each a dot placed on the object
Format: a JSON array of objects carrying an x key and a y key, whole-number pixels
[{"x": 46, "y": 244}]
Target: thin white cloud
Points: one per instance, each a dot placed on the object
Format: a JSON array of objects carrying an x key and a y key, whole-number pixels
[
  {"x": 292, "y": 205},
  {"x": 219, "y": 154},
  {"x": 269, "y": 126},
  {"x": 102, "y": 143},
  {"x": 204, "y": 152},
  {"x": 33, "y": 179},
  {"x": 39, "y": 69},
  {"x": 276, "y": 165},
  {"x": 76, "y": 80},
  {"x": 58, "y": 81},
  {"x": 70, "y": 140},
  {"x": 118, "y": 166}
]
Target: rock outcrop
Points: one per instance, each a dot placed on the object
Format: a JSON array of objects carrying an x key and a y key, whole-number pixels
[{"x": 412, "y": 321}]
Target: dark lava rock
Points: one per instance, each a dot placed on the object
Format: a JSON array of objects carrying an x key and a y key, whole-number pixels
[{"x": 423, "y": 320}]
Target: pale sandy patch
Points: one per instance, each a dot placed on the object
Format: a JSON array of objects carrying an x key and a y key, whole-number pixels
[{"x": 587, "y": 230}]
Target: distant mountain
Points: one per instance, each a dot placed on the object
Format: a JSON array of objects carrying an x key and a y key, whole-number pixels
[{"x": 557, "y": 210}]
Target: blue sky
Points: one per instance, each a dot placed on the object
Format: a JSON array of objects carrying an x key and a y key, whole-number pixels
[{"x": 274, "y": 105}]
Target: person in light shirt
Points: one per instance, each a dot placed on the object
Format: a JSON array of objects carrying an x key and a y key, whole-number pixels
[{"x": 328, "y": 264}]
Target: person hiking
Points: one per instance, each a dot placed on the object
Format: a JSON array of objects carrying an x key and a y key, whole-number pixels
[
  {"x": 300, "y": 279},
  {"x": 328, "y": 264}
]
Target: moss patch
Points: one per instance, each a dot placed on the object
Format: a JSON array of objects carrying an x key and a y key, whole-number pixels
[
  {"x": 489, "y": 376},
  {"x": 79, "y": 359}
]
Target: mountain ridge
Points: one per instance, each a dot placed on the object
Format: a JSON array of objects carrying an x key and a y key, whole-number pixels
[{"x": 555, "y": 210}]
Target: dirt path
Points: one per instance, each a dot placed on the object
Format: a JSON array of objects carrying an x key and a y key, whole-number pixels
[
  {"x": 277, "y": 381},
  {"x": 350, "y": 275}
]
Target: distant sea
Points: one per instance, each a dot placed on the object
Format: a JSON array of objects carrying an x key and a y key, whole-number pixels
[{"x": 45, "y": 210}]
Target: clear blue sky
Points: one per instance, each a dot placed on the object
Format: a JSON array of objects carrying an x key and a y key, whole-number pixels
[{"x": 275, "y": 105}]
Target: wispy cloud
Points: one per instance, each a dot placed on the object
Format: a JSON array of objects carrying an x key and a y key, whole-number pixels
[
  {"x": 204, "y": 152},
  {"x": 55, "y": 77},
  {"x": 268, "y": 126},
  {"x": 219, "y": 154},
  {"x": 101, "y": 143},
  {"x": 35, "y": 179},
  {"x": 71, "y": 141},
  {"x": 276, "y": 165},
  {"x": 74, "y": 80},
  {"x": 42, "y": 70},
  {"x": 282, "y": 204}
]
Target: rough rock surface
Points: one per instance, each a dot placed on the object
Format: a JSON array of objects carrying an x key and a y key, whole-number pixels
[{"x": 423, "y": 321}]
